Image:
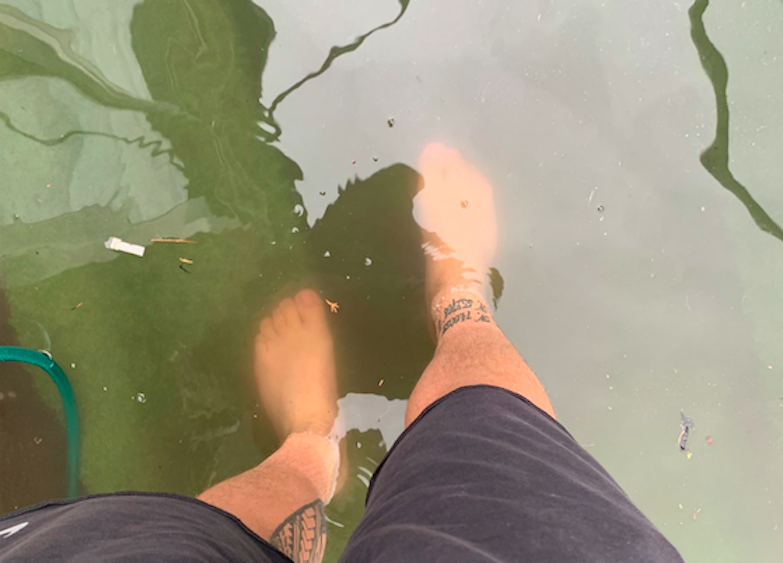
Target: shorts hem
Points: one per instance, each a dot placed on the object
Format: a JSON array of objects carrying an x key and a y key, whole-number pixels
[
  {"x": 435, "y": 404},
  {"x": 172, "y": 496}
]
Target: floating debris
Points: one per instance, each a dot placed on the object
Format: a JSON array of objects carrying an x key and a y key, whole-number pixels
[
  {"x": 119, "y": 245},
  {"x": 299, "y": 209},
  {"x": 353, "y": 162},
  {"x": 686, "y": 424},
  {"x": 140, "y": 397},
  {"x": 709, "y": 440},
  {"x": 185, "y": 260},
  {"x": 334, "y": 307},
  {"x": 381, "y": 382},
  {"x": 375, "y": 159},
  {"x": 600, "y": 208},
  {"x": 37, "y": 440},
  {"x": 77, "y": 306},
  {"x": 327, "y": 254},
  {"x": 390, "y": 122},
  {"x": 321, "y": 193},
  {"x": 174, "y": 240},
  {"x": 368, "y": 261},
  {"x": 48, "y": 186},
  {"x": 464, "y": 203}
]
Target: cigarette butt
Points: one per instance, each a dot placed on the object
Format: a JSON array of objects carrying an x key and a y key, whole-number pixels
[
  {"x": 381, "y": 382},
  {"x": 185, "y": 260},
  {"x": 120, "y": 245}
]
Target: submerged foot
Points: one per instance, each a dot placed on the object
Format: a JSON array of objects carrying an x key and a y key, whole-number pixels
[
  {"x": 456, "y": 212},
  {"x": 294, "y": 367}
]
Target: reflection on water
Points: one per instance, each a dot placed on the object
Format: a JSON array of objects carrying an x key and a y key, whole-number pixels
[
  {"x": 630, "y": 282},
  {"x": 716, "y": 158},
  {"x": 92, "y": 160}
]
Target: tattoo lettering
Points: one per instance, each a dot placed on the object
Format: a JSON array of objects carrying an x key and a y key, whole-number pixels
[
  {"x": 302, "y": 536},
  {"x": 454, "y": 320},
  {"x": 452, "y": 317},
  {"x": 456, "y": 305}
]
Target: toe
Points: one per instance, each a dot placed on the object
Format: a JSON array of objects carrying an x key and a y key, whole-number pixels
[
  {"x": 279, "y": 319},
  {"x": 267, "y": 330},
  {"x": 290, "y": 312},
  {"x": 310, "y": 306}
]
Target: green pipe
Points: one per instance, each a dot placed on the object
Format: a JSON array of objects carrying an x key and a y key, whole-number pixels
[{"x": 46, "y": 363}]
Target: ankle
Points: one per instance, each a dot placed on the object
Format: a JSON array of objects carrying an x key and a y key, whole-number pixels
[
  {"x": 459, "y": 307},
  {"x": 316, "y": 457}
]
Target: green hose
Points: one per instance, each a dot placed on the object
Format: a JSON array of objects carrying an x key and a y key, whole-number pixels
[{"x": 46, "y": 363}]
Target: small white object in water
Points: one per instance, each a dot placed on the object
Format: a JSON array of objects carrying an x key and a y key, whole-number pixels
[
  {"x": 299, "y": 209},
  {"x": 141, "y": 397},
  {"x": 105, "y": 388},
  {"x": 368, "y": 261},
  {"x": 295, "y": 230},
  {"x": 327, "y": 254},
  {"x": 73, "y": 366},
  {"x": 120, "y": 245}
]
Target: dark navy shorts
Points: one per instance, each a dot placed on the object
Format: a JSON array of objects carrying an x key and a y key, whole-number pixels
[{"x": 482, "y": 475}]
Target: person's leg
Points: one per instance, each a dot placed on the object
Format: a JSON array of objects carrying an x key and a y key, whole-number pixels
[
  {"x": 483, "y": 472},
  {"x": 456, "y": 209},
  {"x": 282, "y": 500}
]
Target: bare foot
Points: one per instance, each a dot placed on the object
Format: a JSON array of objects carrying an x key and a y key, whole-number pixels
[
  {"x": 456, "y": 212},
  {"x": 294, "y": 367}
]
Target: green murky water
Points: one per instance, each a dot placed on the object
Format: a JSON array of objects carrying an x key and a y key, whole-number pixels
[{"x": 633, "y": 147}]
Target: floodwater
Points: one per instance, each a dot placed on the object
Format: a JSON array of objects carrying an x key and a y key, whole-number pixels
[{"x": 634, "y": 148}]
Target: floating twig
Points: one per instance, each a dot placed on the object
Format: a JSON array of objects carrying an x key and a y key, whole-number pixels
[{"x": 175, "y": 240}]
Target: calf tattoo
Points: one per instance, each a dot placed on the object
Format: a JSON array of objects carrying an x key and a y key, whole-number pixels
[
  {"x": 461, "y": 311},
  {"x": 302, "y": 536}
]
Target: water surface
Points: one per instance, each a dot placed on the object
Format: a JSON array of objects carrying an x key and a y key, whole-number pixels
[{"x": 633, "y": 148}]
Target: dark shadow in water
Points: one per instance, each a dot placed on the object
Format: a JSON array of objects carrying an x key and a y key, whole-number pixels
[
  {"x": 375, "y": 271},
  {"x": 716, "y": 157},
  {"x": 32, "y": 439}
]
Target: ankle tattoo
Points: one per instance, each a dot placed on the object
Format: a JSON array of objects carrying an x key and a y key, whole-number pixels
[{"x": 451, "y": 310}]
